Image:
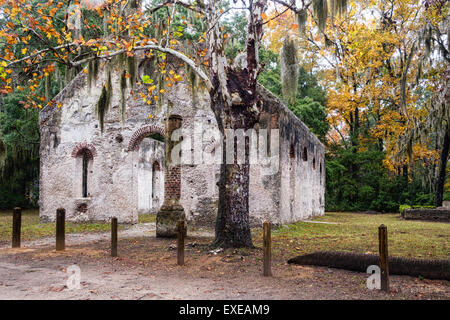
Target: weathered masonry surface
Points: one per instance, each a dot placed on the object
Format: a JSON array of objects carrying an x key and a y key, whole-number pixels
[
  {"x": 120, "y": 172},
  {"x": 442, "y": 214}
]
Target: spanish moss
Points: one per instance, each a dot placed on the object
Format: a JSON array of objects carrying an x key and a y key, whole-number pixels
[
  {"x": 90, "y": 73},
  {"x": 320, "y": 9},
  {"x": 338, "y": 7},
  {"x": 123, "y": 87},
  {"x": 289, "y": 70},
  {"x": 3, "y": 152},
  {"x": 48, "y": 87},
  {"x": 121, "y": 60},
  {"x": 302, "y": 18},
  {"x": 104, "y": 101},
  {"x": 134, "y": 4},
  {"x": 161, "y": 84},
  {"x": 192, "y": 77},
  {"x": 131, "y": 64}
]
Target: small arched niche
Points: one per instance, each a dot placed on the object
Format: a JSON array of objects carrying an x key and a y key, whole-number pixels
[
  {"x": 305, "y": 154},
  {"x": 84, "y": 155},
  {"x": 292, "y": 151}
]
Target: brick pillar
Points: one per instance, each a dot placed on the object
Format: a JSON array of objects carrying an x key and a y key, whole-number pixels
[{"x": 171, "y": 210}]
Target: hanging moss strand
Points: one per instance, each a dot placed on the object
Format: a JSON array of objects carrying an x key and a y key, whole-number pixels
[{"x": 123, "y": 87}]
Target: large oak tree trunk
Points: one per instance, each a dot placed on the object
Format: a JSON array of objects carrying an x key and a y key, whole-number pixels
[
  {"x": 235, "y": 103},
  {"x": 442, "y": 169},
  {"x": 232, "y": 224}
]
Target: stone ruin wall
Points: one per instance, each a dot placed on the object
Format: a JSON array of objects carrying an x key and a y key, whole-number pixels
[
  {"x": 116, "y": 171},
  {"x": 301, "y": 179}
]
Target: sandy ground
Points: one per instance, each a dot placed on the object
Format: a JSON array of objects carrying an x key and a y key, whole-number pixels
[{"x": 146, "y": 269}]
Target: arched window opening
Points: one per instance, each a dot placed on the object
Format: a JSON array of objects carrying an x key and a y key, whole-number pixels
[
  {"x": 314, "y": 163},
  {"x": 305, "y": 154},
  {"x": 155, "y": 177},
  {"x": 85, "y": 174},
  {"x": 320, "y": 170},
  {"x": 292, "y": 151},
  {"x": 84, "y": 154},
  {"x": 154, "y": 131}
]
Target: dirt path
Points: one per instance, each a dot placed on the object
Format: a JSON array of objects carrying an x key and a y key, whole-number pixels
[
  {"x": 137, "y": 230},
  {"x": 146, "y": 269}
]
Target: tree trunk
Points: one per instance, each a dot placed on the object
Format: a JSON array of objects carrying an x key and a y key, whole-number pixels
[
  {"x": 236, "y": 105},
  {"x": 442, "y": 169},
  {"x": 233, "y": 223}
]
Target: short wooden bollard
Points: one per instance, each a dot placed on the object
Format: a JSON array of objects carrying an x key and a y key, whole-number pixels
[
  {"x": 60, "y": 229},
  {"x": 384, "y": 257},
  {"x": 114, "y": 237},
  {"x": 180, "y": 243},
  {"x": 16, "y": 227},
  {"x": 267, "y": 250}
]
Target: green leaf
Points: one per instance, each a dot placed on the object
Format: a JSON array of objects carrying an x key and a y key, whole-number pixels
[{"x": 146, "y": 79}]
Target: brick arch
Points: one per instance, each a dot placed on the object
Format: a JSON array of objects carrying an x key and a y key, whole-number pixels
[
  {"x": 141, "y": 133},
  {"x": 82, "y": 148}
]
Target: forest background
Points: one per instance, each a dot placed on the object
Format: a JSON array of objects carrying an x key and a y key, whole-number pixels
[{"x": 372, "y": 84}]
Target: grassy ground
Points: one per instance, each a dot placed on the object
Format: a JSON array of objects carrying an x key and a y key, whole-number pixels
[
  {"x": 354, "y": 232},
  {"x": 151, "y": 265},
  {"x": 32, "y": 229},
  {"x": 146, "y": 218},
  {"x": 358, "y": 232}
]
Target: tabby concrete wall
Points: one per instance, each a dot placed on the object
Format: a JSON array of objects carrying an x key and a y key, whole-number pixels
[
  {"x": 301, "y": 192},
  {"x": 119, "y": 172},
  {"x": 116, "y": 171},
  {"x": 427, "y": 214}
]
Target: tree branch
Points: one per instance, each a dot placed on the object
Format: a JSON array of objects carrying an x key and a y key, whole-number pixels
[
  {"x": 180, "y": 3},
  {"x": 173, "y": 52},
  {"x": 39, "y": 53}
]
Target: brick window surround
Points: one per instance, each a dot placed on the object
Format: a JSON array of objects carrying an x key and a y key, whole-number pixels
[
  {"x": 142, "y": 133},
  {"x": 81, "y": 148}
]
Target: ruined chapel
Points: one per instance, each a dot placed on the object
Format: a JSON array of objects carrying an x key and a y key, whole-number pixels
[{"x": 120, "y": 171}]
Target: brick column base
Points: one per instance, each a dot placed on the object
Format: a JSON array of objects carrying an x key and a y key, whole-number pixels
[
  {"x": 166, "y": 220},
  {"x": 171, "y": 210}
]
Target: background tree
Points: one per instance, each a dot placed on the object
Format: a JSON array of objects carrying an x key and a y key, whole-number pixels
[
  {"x": 19, "y": 168},
  {"x": 381, "y": 64}
]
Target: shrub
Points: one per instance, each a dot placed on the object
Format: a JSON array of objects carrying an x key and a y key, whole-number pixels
[{"x": 403, "y": 207}]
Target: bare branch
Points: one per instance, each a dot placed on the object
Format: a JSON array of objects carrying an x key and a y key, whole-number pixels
[
  {"x": 291, "y": 6},
  {"x": 180, "y": 3}
]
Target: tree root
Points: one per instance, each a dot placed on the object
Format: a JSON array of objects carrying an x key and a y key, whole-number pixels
[{"x": 427, "y": 268}]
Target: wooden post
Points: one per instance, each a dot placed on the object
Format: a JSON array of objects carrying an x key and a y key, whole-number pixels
[
  {"x": 267, "y": 250},
  {"x": 180, "y": 243},
  {"x": 17, "y": 224},
  {"x": 114, "y": 237},
  {"x": 60, "y": 229},
  {"x": 384, "y": 257}
]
